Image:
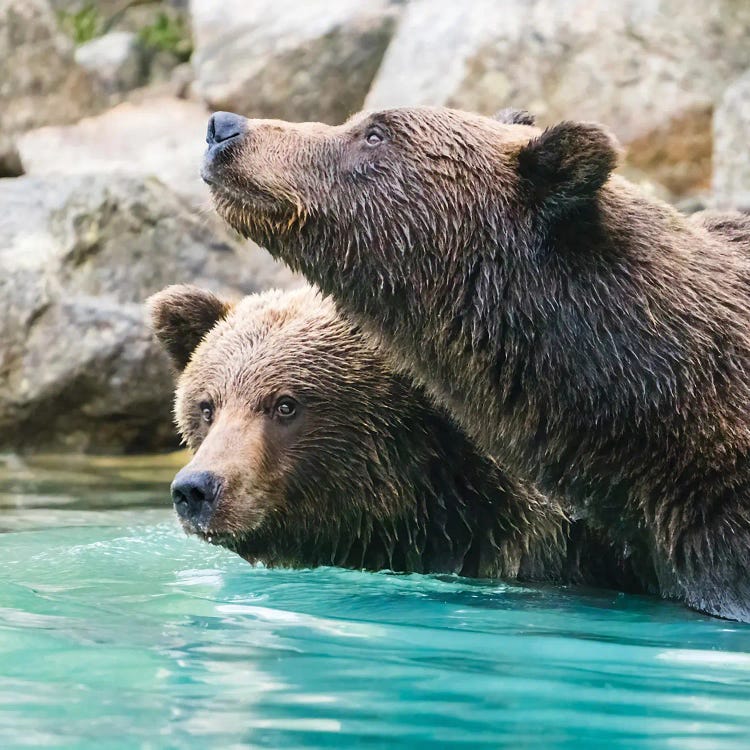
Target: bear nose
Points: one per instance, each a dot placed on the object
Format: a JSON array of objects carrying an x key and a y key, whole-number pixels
[
  {"x": 223, "y": 126},
  {"x": 194, "y": 494}
]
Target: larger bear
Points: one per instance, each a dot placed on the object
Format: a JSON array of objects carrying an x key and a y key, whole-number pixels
[{"x": 592, "y": 338}]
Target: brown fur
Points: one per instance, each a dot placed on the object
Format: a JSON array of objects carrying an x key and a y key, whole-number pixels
[
  {"x": 367, "y": 475},
  {"x": 732, "y": 226},
  {"x": 592, "y": 338}
]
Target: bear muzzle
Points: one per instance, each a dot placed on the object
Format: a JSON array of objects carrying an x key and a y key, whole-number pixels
[
  {"x": 195, "y": 495},
  {"x": 224, "y": 129}
]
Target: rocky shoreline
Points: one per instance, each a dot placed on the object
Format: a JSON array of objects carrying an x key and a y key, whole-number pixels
[{"x": 103, "y": 108}]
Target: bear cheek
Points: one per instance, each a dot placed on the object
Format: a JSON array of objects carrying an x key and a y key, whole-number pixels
[
  {"x": 245, "y": 503},
  {"x": 264, "y": 160},
  {"x": 242, "y": 508}
]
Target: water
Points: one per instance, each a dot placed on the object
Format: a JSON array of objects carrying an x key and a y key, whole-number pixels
[{"x": 118, "y": 631}]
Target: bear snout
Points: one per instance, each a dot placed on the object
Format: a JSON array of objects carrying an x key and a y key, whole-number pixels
[
  {"x": 224, "y": 129},
  {"x": 224, "y": 126},
  {"x": 195, "y": 495}
]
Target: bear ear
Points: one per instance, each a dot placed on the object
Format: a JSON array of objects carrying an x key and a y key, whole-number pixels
[
  {"x": 512, "y": 116},
  {"x": 567, "y": 164},
  {"x": 180, "y": 316}
]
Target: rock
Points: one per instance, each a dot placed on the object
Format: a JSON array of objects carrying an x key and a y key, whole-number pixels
[
  {"x": 116, "y": 60},
  {"x": 731, "y": 177},
  {"x": 282, "y": 58},
  {"x": 159, "y": 38},
  {"x": 78, "y": 368},
  {"x": 103, "y": 8},
  {"x": 163, "y": 137},
  {"x": 161, "y": 65},
  {"x": 652, "y": 70},
  {"x": 40, "y": 82},
  {"x": 165, "y": 36},
  {"x": 181, "y": 79},
  {"x": 10, "y": 160}
]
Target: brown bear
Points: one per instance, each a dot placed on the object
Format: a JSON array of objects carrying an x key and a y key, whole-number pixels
[
  {"x": 310, "y": 451},
  {"x": 593, "y": 339}
]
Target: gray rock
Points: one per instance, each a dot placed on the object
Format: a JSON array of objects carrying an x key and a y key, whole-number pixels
[
  {"x": 160, "y": 137},
  {"x": 40, "y": 82},
  {"x": 164, "y": 31},
  {"x": 78, "y": 368},
  {"x": 650, "y": 69},
  {"x": 282, "y": 58},
  {"x": 181, "y": 79},
  {"x": 731, "y": 177},
  {"x": 104, "y": 8},
  {"x": 116, "y": 60}
]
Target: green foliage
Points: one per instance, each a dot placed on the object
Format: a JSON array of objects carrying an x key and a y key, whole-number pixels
[
  {"x": 168, "y": 34},
  {"x": 82, "y": 25}
]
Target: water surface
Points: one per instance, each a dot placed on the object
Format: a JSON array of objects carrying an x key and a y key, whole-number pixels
[{"x": 118, "y": 631}]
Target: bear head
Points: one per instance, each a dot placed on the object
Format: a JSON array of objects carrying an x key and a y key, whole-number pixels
[
  {"x": 309, "y": 450},
  {"x": 380, "y": 194}
]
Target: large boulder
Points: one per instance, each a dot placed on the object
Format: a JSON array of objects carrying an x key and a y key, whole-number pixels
[
  {"x": 161, "y": 137},
  {"x": 731, "y": 179},
  {"x": 653, "y": 70},
  {"x": 40, "y": 81},
  {"x": 78, "y": 256},
  {"x": 311, "y": 60}
]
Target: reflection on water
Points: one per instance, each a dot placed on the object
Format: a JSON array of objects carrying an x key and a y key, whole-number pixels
[
  {"x": 118, "y": 631},
  {"x": 57, "y": 491}
]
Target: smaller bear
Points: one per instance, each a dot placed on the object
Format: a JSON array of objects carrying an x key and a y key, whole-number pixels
[{"x": 309, "y": 451}]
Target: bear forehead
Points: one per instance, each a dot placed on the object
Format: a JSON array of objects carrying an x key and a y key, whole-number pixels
[
  {"x": 280, "y": 340},
  {"x": 277, "y": 335},
  {"x": 420, "y": 120},
  {"x": 444, "y": 119}
]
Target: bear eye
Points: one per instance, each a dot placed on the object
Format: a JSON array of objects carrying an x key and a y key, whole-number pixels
[
  {"x": 285, "y": 408},
  {"x": 207, "y": 411},
  {"x": 373, "y": 137}
]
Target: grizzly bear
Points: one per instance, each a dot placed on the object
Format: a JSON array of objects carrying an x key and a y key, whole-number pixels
[
  {"x": 309, "y": 451},
  {"x": 591, "y": 338}
]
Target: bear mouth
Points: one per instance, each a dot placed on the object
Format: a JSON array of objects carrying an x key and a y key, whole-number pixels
[
  {"x": 231, "y": 190},
  {"x": 253, "y": 212},
  {"x": 249, "y": 548},
  {"x": 219, "y": 539},
  {"x": 248, "y": 543},
  {"x": 208, "y": 535}
]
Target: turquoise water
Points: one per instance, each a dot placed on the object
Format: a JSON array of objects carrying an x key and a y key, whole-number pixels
[{"x": 118, "y": 631}]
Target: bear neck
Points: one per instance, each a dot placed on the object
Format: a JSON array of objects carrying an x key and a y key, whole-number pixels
[{"x": 598, "y": 356}]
